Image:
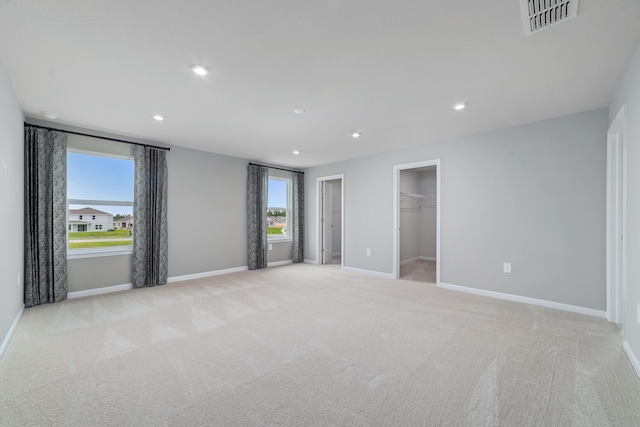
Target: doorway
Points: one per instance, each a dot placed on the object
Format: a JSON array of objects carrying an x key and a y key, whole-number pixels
[
  {"x": 616, "y": 205},
  {"x": 331, "y": 220},
  {"x": 417, "y": 221}
]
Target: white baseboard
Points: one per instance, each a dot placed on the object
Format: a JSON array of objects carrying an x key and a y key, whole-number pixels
[
  {"x": 406, "y": 261},
  {"x": 369, "y": 272},
  {"x": 632, "y": 357},
  {"x": 526, "y": 300},
  {"x": 427, "y": 258},
  {"x": 335, "y": 254},
  {"x": 278, "y": 263},
  {"x": 127, "y": 286},
  {"x": 100, "y": 291},
  {"x": 12, "y": 329},
  {"x": 207, "y": 274},
  {"x": 311, "y": 261}
]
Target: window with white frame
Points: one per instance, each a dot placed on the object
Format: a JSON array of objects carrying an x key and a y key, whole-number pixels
[
  {"x": 279, "y": 208},
  {"x": 99, "y": 191}
]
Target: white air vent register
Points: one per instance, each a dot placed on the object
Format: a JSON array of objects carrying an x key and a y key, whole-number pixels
[{"x": 538, "y": 15}]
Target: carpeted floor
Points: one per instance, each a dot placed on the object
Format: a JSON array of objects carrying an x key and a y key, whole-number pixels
[
  {"x": 419, "y": 270},
  {"x": 312, "y": 345}
]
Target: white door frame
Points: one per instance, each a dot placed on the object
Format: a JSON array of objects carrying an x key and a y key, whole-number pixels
[
  {"x": 396, "y": 212},
  {"x": 616, "y": 218},
  {"x": 319, "y": 237}
]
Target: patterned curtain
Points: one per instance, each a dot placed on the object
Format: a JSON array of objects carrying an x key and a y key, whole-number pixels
[
  {"x": 150, "y": 236},
  {"x": 257, "y": 186},
  {"x": 45, "y": 216},
  {"x": 297, "y": 212}
]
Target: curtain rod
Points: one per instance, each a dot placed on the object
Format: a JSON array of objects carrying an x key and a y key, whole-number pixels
[
  {"x": 99, "y": 137},
  {"x": 273, "y": 167}
]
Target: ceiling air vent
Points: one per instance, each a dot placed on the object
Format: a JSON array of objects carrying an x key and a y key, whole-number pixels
[{"x": 538, "y": 15}]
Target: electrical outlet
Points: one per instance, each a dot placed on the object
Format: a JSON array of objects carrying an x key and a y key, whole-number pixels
[
  {"x": 638, "y": 313},
  {"x": 19, "y": 281},
  {"x": 368, "y": 251},
  {"x": 270, "y": 246},
  {"x": 506, "y": 267}
]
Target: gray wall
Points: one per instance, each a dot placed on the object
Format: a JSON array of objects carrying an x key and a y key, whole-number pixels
[
  {"x": 628, "y": 93},
  {"x": 11, "y": 206},
  {"x": 409, "y": 219},
  {"x": 532, "y": 195},
  {"x": 336, "y": 216},
  {"x": 427, "y": 185},
  {"x": 207, "y": 223}
]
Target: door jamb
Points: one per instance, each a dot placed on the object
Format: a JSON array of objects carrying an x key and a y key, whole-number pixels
[
  {"x": 616, "y": 145},
  {"x": 396, "y": 212},
  {"x": 319, "y": 236}
]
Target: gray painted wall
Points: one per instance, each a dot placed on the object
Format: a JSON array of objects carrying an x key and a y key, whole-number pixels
[
  {"x": 11, "y": 206},
  {"x": 336, "y": 216},
  {"x": 427, "y": 185},
  {"x": 409, "y": 219},
  {"x": 532, "y": 195},
  {"x": 207, "y": 223},
  {"x": 628, "y": 93}
]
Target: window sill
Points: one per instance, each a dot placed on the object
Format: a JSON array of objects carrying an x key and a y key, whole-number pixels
[
  {"x": 94, "y": 253},
  {"x": 278, "y": 240}
]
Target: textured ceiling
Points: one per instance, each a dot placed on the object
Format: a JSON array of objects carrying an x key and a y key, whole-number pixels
[{"x": 390, "y": 69}]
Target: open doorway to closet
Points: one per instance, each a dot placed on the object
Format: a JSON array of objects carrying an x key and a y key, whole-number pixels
[
  {"x": 417, "y": 221},
  {"x": 331, "y": 220}
]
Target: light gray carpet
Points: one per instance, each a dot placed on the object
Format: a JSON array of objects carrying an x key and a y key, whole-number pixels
[{"x": 312, "y": 345}]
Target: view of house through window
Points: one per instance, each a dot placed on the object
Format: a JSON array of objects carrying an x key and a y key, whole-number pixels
[
  {"x": 99, "y": 200},
  {"x": 278, "y": 208}
]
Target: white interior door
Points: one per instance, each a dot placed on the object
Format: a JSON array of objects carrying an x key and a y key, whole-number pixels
[
  {"x": 327, "y": 199},
  {"x": 615, "y": 224}
]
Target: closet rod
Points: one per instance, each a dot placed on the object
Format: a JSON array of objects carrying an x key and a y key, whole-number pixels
[
  {"x": 99, "y": 137},
  {"x": 273, "y": 167}
]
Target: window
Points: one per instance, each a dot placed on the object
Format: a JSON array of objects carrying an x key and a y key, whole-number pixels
[
  {"x": 100, "y": 191},
  {"x": 278, "y": 211}
]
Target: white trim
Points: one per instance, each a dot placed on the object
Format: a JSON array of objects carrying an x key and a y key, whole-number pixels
[
  {"x": 98, "y": 252},
  {"x": 12, "y": 329},
  {"x": 396, "y": 211},
  {"x": 319, "y": 181},
  {"x": 310, "y": 261},
  {"x": 279, "y": 263},
  {"x": 335, "y": 254},
  {"x": 616, "y": 221},
  {"x": 526, "y": 300},
  {"x": 406, "y": 261},
  {"x": 100, "y": 291},
  {"x": 369, "y": 272},
  {"x": 632, "y": 357},
  {"x": 427, "y": 258},
  {"x": 128, "y": 286},
  {"x": 206, "y": 274}
]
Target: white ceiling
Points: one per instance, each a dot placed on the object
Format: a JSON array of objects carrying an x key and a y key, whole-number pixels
[{"x": 390, "y": 69}]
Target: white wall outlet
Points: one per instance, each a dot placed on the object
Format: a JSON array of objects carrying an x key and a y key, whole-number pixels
[
  {"x": 368, "y": 251},
  {"x": 19, "y": 281},
  {"x": 638, "y": 313},
  {"x": 506, "y": 267},
  {"x": 270, "y": 246}
]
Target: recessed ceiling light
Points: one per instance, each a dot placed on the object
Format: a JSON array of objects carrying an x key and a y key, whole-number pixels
[
  {"x": 158, "y": 117},
  {"x": 49, "y": 115},
  {"x": 296, "y": 152},
  {"x": 200, "y": 70},
  {"x": 355, "y": 134},
  {"x": 299, "y": 110},
  {"x": 460, "y": 106}
]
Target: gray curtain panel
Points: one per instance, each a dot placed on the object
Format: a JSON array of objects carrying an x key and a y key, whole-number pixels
[
  {"x": 257, "y": 186},
  {"x": 297, "y": 212},
  {"x": 45, "y": 216},
  {"x": 150, "y": 235}
]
